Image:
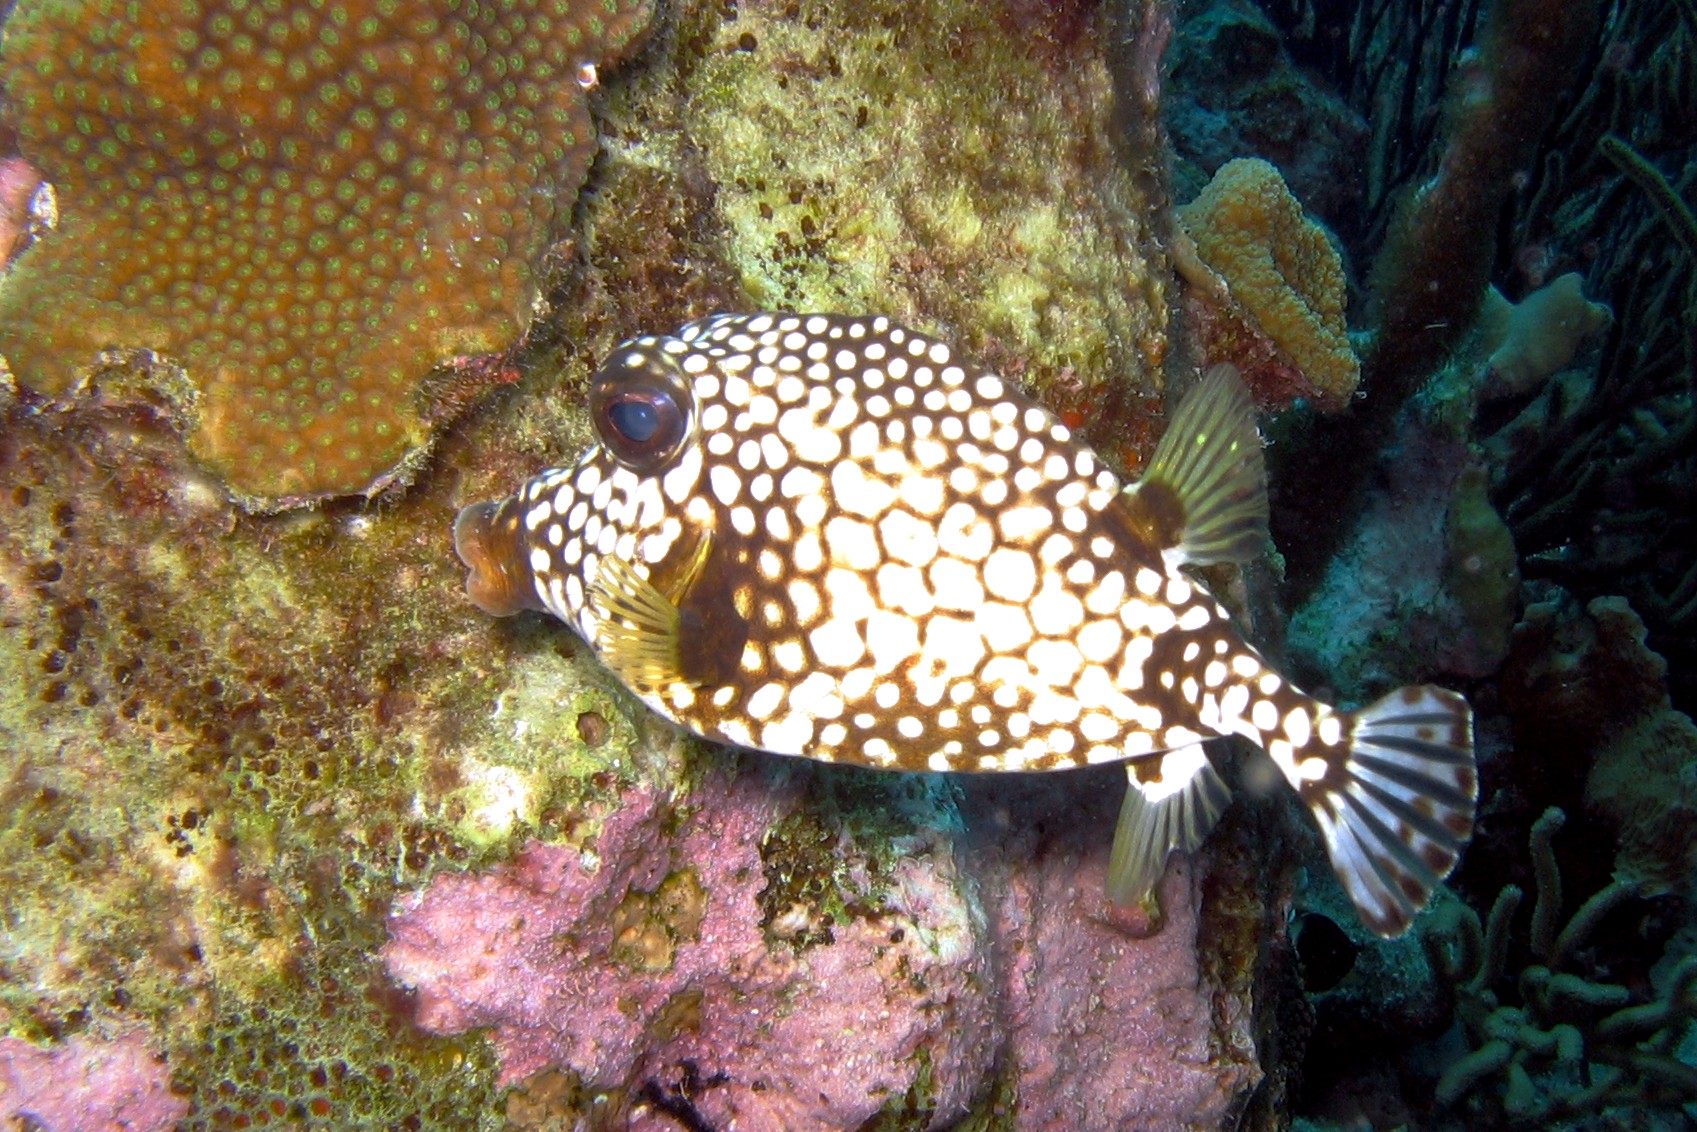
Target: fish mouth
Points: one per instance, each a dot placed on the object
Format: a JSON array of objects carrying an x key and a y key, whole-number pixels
[{"x": 488, "y": 537}]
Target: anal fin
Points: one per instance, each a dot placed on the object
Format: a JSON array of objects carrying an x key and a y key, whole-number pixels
[{"x": 1175, "y": 809}]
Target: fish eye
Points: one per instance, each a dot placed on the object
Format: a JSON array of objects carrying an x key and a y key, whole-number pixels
[
  {"x": 635, "y": 419},
  {"x": 642, "y": 408}
]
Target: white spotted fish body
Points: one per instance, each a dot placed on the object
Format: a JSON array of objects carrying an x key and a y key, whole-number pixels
[{"x": 829, "y": 537}]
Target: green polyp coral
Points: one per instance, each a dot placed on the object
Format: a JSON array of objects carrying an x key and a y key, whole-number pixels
[{"x": 306, "y": 212}]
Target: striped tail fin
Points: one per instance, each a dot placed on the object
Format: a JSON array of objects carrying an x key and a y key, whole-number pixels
[{"x": 1394, "y": 799}]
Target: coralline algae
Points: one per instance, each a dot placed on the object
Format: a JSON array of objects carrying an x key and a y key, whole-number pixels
[
  {"x": 88, "y": 1084},
  {"x": 941, "y": 971}
]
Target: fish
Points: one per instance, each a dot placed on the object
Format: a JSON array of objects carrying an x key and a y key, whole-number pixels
[{"x": 829, "y": 536}]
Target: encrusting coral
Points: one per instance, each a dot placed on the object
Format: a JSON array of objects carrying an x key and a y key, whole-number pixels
[
  {"x": 1532, "y": 339},
  {"x": 1270, "y": 287},
  {"x": 307, "y": 210}
]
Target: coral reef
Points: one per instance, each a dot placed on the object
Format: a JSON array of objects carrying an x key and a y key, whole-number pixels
[
  {"x": 1596, "y": 470},
  {"x": 229, "y": 742},
  {"x": 88, "y": 1085},
  {"x": 1114, "y": 1019},
  {"x": 1267, "y": 288},
  {"x": 306, "y": 213},
  {"x": 1572, "y": 1044},
  {"x": 1643, "y": 787},
  {"x": 1677, "y": 215},
  {"x": 1437, "y": 186},
  {"x": 1546, "y": 149},
  {"x": 1236, "y": 92}
]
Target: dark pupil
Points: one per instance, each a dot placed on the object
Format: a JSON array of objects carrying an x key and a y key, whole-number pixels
[{"x": 637, "y": 421}]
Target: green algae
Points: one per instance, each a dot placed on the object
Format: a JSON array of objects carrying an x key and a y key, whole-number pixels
[{"x": 951, "y": 165}]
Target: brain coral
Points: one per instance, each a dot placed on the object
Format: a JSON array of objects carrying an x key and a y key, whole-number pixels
[
  {"x": 1281, "y": 274},
  {"x": 307, "y": 207}
]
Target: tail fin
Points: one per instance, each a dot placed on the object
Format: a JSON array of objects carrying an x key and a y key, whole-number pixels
[{"x": 1397, "y": 806}]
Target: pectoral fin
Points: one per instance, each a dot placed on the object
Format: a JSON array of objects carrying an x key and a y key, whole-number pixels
[
  {"x": 636, "y": 627},
  {"x": 678, "y": 625}
]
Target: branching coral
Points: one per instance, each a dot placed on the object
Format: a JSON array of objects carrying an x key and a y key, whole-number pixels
[{"x": 1571, "y": 1043}]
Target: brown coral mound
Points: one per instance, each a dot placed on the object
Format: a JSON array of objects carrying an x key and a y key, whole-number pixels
[{"x": 307, "y": 208}]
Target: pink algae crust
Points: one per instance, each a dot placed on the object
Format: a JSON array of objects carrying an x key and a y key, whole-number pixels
[
  {"x": 815, "y": 1039},
  {"x": 1109, "y": 1016},
  {"x": 87, "y": 1084},
  {"x": 1018, "y": 973}
]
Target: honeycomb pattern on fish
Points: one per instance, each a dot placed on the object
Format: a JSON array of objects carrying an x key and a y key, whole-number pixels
[{"x": 831, "y": 537}]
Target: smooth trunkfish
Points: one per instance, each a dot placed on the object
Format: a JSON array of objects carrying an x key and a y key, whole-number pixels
[{"x": 829, "y": 537}]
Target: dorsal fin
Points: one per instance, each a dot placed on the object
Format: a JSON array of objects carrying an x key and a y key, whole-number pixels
[{"x": 1204, "y": 498}]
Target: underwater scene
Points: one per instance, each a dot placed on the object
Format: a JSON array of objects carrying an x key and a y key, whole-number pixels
[{"x": 788, "y": 566}]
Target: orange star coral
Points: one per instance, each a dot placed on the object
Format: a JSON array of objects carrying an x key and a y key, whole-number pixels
[
  {"x": 306, "y": 207},
  {"x": 1268, "y": 286}
]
